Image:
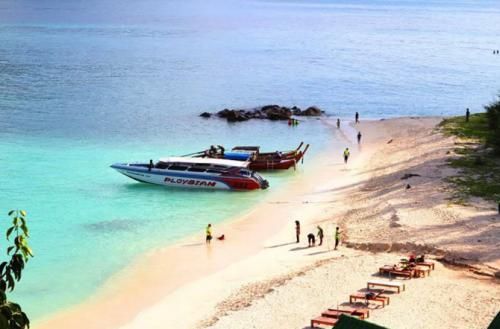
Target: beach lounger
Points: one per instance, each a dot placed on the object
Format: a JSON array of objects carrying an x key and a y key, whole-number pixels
[
  {"x": 323, "y": 320},
  {"x": 428, "y": 264},
  {"x": 394, "y": 272},
  {"x": 336, "y": 314},
  {"x": 422, "y": 271},
  {"x": 362, "y": 296},
  {"x": 400, "y": 286},
  {"x": 362, "y": 312}
]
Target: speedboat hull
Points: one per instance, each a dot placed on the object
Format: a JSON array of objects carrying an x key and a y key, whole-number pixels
[{"x": 192, "y": 180}]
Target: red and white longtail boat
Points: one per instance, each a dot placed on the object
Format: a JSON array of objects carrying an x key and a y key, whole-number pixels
[{"x": 204, "y": 173}]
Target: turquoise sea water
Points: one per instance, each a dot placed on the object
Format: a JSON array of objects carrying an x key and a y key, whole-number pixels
[{"x": 86, "y": 84}]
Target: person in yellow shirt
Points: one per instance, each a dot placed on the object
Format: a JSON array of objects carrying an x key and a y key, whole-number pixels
[
  {"x": 346, "y": 154},
  {"x": 209, "y": 233},
  {"x": 337, "y": 237}
]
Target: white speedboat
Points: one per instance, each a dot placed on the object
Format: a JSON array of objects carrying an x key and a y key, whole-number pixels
[{"x": 195, "y": 173}]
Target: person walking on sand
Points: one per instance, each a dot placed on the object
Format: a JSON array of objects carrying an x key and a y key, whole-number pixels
[
  {"x": 346, "y": 154},
  {"x": 320, "y": 235},
  {"x": 297, "y": 230},
  {"x": 338, "y": 123},
  {"x": 209, "y": 234},
  {"x": 337, "y": 237},
  {"x": 359, "y": 137},
  {"x": 356, "y": 117},
  {"x": 467, "y": 115}
]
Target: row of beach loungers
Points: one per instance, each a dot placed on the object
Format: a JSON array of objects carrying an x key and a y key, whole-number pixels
[{"x": 375, "y": 293}]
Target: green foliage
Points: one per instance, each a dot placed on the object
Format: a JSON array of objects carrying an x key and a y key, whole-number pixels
[
  {"x": 477, "y": 127},
  {"x": 493, "y": 115},
  {"x": 11, "y": 314},
  {"x": 478, "y": 159}
]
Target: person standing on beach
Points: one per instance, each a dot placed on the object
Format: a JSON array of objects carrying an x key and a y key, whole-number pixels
[
  {"x": 359, "y": 137},
  {"x": 297, "y": 230},
  {"x": 209, "y": 234},
  {"x": 467, "y": 115},
  {"x": 346, "y": 154},
  {"x": 356, "y": 117},
  {"x": 337, "y": 237},
  {"x": 320, "y": 235},
  {"x": 338, "y": 123}
]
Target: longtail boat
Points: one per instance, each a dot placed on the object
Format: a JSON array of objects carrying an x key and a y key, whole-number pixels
[{"x": 278, "y": 160}]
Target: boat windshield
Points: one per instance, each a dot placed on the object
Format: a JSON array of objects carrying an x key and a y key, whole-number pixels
[
  {"x": 193, "y": 167},
  {"x": 257, "y": 176},
  {"x": 161, "y": 165},
  {"x": 245, "y": 173}
]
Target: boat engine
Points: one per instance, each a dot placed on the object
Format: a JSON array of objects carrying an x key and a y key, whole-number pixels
[{"x": 264, "y": 184}]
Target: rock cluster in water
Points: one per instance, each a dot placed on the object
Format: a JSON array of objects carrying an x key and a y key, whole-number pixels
[{"x": 269, "y": 112}]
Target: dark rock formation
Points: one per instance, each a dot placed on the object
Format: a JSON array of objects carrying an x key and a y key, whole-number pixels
[
  {"x": 276, "y": 112},
  {"x": 235, "y": 116},
  {"x": 224, "y": 113},
  {"x": 311, "y": 111},
  {"x": 296, "y": 110},
  {"x": 269, "y": 112}
]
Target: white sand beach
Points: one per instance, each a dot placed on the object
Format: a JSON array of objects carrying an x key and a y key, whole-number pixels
[{"x": 260, "y": 278}]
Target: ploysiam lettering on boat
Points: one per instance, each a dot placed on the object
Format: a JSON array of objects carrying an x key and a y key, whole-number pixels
[{"x": 189, "y": 182}]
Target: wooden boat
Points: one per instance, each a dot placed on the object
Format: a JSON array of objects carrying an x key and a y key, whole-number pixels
[{"x": 279, "y": 160}]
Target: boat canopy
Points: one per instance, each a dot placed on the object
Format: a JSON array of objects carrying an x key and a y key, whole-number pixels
[
  {"x": 206, "y": 161},
  {"x": 238, "y": 156},
  {"x": 246, "y": 148}
]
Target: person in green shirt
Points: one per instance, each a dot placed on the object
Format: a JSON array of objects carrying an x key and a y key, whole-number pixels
[
  {"x": 346, "y": 154},
  {"x": 337, "y": 237}
]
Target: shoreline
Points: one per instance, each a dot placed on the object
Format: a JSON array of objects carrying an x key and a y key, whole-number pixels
[
  {"x": 148, "y": 293},
  {"x": 157, "y": 281}
]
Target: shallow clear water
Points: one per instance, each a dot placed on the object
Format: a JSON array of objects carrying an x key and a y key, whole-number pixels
[{"x": 86, "y": 84}]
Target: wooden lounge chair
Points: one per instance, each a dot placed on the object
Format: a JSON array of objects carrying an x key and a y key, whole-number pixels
[
  {"x": 385, "y": 300},
  {"x": 422, "y": 271},
  {"x": 395, "y": 272},
  {"x": 400, "y": 286},
  {"x": 427, "y": 264},
  {"x": 362, "y": 312},
  {"x": 336, "y": 314},
  {"x": 323, "y": 320}
]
